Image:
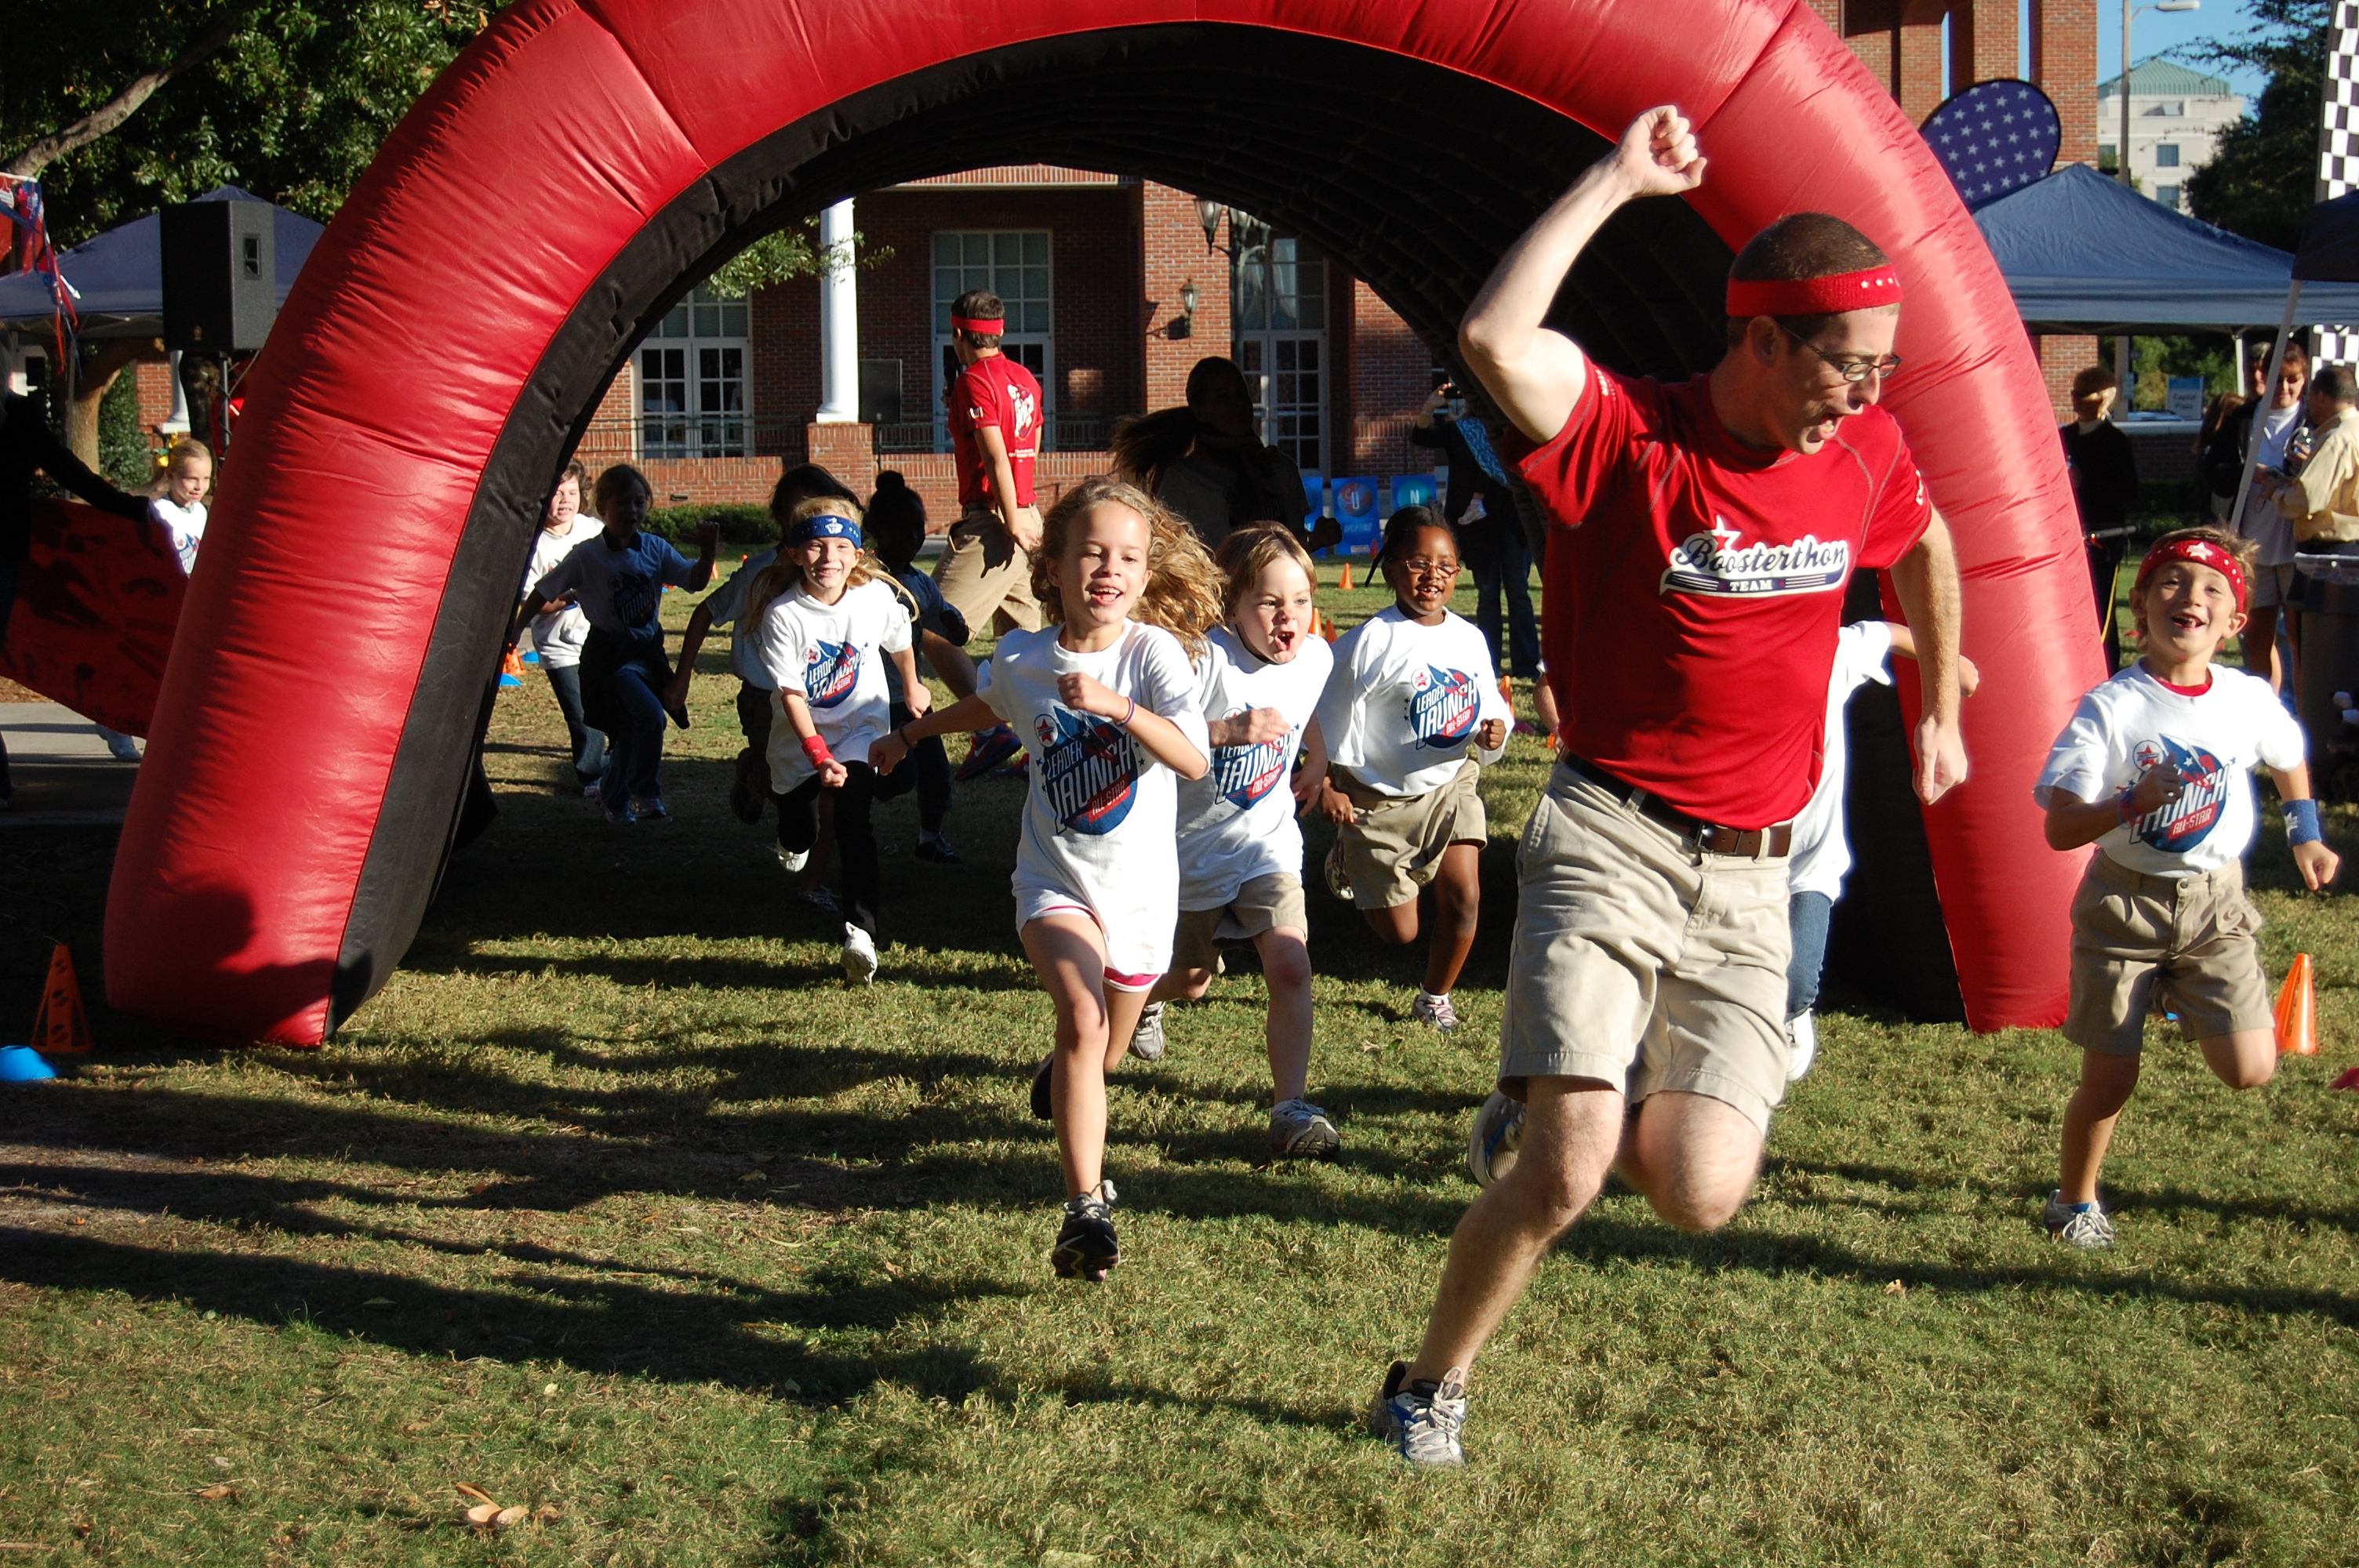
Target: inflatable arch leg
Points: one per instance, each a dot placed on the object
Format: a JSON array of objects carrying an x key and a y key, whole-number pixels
[{"x": 314, "y": 719}]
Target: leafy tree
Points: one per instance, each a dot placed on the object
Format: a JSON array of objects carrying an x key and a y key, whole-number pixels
[{"x": 2263, "y": 170}]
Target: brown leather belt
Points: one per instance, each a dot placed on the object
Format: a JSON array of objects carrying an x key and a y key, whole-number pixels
[{"x": 1705, "y": 837}]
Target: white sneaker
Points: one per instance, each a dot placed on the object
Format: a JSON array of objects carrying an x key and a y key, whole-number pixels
[
  {"x": 792, "y": 861},
  {"x": 859, "y": 956},
  {"x": 1147, "y": 1040},
  {"x": 1804, "y": 1032},
  {"x": 1434, "y": 1010}
]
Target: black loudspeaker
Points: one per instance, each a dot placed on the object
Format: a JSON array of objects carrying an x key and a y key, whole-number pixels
[{"x": 221, "y": 275}]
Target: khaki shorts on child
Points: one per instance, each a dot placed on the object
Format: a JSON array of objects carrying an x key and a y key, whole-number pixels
[
  {"x": 1263, "y": 903},
  {"x": 1395, "y": 846},
  {"x": 1641, "y": 963},
  {"x": 2192, "y": 938}
]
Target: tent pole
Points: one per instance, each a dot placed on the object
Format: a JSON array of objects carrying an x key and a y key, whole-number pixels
[{"x": 2252, "y": 442}]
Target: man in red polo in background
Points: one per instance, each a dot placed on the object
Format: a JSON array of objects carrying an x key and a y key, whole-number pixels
[
  {"x": 995, "y": 420},
  {"x": 1703, "y": 534}
]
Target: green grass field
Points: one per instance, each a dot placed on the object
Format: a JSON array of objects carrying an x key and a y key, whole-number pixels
[{"x": 617, "y": 1206}]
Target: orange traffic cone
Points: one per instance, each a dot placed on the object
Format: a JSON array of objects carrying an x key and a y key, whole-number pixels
[
  {"x": 1324, "y": 626},
  {"x": 2298, "y": 1011},
  {"x": 59, "y": 1028},
  {"x": 1343, "y": 581}
]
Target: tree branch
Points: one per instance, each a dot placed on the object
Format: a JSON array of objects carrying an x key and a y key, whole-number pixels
[{"x": 46, "y": 151}]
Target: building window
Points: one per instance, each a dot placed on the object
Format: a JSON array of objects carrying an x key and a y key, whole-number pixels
[
  {"x": 2105, "y": 157},
  {"x": 1280, "y": 289},
  {"x": 2168, "y": 195},
  {"x": 2166, "y": 154},
  {"x": 692, "y": 388},
  {"x": 1013, "y": 263}
]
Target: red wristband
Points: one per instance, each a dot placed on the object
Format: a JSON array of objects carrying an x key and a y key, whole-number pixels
[{"x": 816, "y": 749}]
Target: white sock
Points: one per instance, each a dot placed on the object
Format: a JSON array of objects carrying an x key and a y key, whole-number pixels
[{"x": 1432, "y": 996}]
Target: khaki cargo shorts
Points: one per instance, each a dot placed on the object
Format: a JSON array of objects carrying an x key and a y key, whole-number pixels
[
  {"x": 1642, "y": 964},
  {"x": 1263, "y": 903},
  {"x": 2193, "y": 937},
  {"x": 985, "y": 578},
  {"x": 1396, "y": 846}
]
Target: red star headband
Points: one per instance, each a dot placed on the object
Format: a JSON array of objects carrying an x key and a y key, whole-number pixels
[
  {"x": 1828, "y": 296},
  {"x": 2200, "y": 552},
  {"x": 972, "y": 324}
]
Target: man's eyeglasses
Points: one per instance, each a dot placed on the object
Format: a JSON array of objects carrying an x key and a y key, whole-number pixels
[{"x": 1852, "y": 371}]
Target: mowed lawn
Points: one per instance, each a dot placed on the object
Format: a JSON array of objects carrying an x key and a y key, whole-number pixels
[{"x": 618, "y": 1207}]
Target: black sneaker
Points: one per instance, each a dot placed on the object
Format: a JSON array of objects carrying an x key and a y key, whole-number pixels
[
  {"x": 750, "y": 787},
  {"x": 1086, "y": 1246},
  {"x": 1041, "y": 1108},
  {"x": 937, "y": 850}
]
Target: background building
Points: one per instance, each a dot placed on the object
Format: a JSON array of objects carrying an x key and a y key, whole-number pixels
[{"x": 2175, "y": 115}]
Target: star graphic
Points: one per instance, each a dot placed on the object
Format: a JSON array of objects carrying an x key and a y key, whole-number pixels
[{"x": 1722, "y": 534}]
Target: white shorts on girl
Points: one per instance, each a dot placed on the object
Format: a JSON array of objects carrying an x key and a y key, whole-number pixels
[{"x": 1134, "y": 962}]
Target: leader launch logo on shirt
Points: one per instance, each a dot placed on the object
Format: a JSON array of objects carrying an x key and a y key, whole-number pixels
[
  {"x": 1714, "y": 563},
  {"x": 1245, "y": 774},
  {"x": 829, "y": 672},
  {"x": 1441, "y": 708},
  {"x": 1088, "y": 769},
  {"x": 2186, "y": 822}
]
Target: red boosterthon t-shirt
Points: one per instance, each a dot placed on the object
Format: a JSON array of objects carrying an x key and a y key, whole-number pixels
[
  {"x": 1694, "y": 589},
  {"x": 994, "y": 391}
]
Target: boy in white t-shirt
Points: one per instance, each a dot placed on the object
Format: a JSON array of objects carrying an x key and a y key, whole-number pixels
[
  {"x": 2154, "y": 770},
  {"x": 1258, "y": 682},
  {"x": 1821, "y": 853},
  {"x": 1412, "y": 692}
]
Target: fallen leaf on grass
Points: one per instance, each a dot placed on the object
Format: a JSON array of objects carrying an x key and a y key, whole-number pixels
[
  {"x": 1068, "y": 1560},
  {"x": 477, "y": 1493},
  {"x": 1896, "y": 1289},
  {"x": 216, "y": 1492},
  {"x": 485, "y": 1516}
]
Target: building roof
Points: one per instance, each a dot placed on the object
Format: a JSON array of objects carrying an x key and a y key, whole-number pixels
[{"x": 2166, "y": 78}]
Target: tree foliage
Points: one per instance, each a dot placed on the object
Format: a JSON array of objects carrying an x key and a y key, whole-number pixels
[
  {"x": 2264, "y": 171},
  {"x": 788, "y": 253},
  {"x": 292, "y": 108}
]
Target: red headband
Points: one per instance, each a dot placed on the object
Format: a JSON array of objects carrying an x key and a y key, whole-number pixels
[
  {"x": 1814, "y": 296},
  {"x": 2202, "y": 553},
  {"x": 969, "y": 324}
]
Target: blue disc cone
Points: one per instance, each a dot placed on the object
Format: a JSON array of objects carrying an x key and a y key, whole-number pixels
[{"x": 22, "y": 1065}]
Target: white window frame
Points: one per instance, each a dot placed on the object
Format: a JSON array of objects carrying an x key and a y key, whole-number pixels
[
  {"x": 1021, "y": 344},
  {"x": 1264, "y": 343},
  {"x": 701, "y": 328}
]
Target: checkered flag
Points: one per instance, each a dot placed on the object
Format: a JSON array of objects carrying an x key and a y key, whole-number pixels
[{"x": 2338, "y": 150}]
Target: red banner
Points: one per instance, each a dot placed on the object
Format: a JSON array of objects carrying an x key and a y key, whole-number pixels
[{"x": 96, "y": 605}]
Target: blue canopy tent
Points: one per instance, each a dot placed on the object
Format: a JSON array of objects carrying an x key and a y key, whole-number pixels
[
  {"x": 2084, "y": 253},
  {"x": 119, "y": 275}
]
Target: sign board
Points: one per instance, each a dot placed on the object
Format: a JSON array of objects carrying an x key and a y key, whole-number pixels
[
  {"x": 2185, "y": 398},
  {"x": 1355, "y": 508}
]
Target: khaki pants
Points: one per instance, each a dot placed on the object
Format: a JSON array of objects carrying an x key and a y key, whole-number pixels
[
  {"x": 1642, "y": 964},
  {"x": 985, "y": 578},
  {"x": 2193, "y": 938}
]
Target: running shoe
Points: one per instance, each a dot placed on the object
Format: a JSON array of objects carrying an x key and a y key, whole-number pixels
[
  {"x": 649, "y": 808},
  {"x": 1803, "y": 1031},
  {"x": 823, "y": 898},
  {"x": 859, "y": 956},
  {"x": 620, "y": 815},
  {"x": 2084, "y": 1224},
  {"x": 593, "y": 790},
  {"x": 1086, "y": 1246},
  {"x": 937, "y": 850},
  {"x": 1498, "y": 1133},
  {"x": 1147, "y": 1040},
  {"x": 1422, "y": 1418},
  {"x": 1042, "y": 1110},
  {"x": 1435, "y": 1011},
  {"x": 1300, "y": 1130},
  {"x": 750, "y": 787},
  {"x": 1339, "y": 881},
  {"x": 792, "y": 861},
  {"x": 986, "y": 750},
  {"x": 121, "y": 747}
]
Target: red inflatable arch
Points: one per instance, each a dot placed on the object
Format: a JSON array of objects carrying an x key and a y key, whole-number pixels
[{"x": 585, "y": 161}]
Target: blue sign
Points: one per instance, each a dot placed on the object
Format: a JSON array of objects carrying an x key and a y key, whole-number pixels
[
  {"x": 1355, "y": 507},
  {"x": 1413, "y": 490}
]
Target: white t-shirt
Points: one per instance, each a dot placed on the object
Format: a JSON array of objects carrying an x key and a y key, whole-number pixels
[
  {"x": 2133, "y": 722},
  {"x": 557, "y": 638},
  {"x": 1238, "y": 822},
  {"x": 727, "y": 604},
  {"x": 1100, "y": 814},
  {"x": 184, "y": 526},
  {"x": 1404, "y": 701},
  {"x": 834, "y": 656},
  {"x": 2264, "y": 523},
  {"x": 1821, "y": 854}
]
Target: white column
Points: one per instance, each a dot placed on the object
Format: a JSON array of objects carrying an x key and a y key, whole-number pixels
[{"x": 839, "y": 322}]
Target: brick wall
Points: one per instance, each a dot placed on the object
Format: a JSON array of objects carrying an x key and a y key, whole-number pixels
[
  {"x": 1922, "y": 83},
  {"x": 1984, "y": 42},
  {"x": 2061, "y": 358},
  {"x": 1391, "y": 376},
  {"x": 1173, "y": 252},
  {"x": 2064, "y": 63}
]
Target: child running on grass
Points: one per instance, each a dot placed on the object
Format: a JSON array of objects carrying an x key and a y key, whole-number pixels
[
  {"x": 828, "y": 622},
  {"x": 558, "y": 631},
  {"x": 1104, "y": 697},
  {"x": 1258, "y": 683},
  {"x": 1413, "y": 689},
  {"x": 619, "y": 577},
  {"x": 2154, "y": 769},
  {"x": 896, "y": 526}
]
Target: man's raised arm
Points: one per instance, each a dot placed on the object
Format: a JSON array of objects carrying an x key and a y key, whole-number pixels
[{"x": 1536, "y": 374}]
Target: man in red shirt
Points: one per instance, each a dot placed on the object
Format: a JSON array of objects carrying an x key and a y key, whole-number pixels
[
  {"x": 994, "y": 419},
  {"x": 1701, "y": 538}
]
